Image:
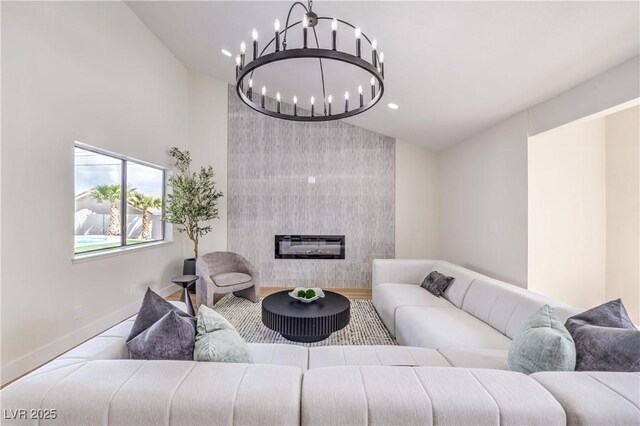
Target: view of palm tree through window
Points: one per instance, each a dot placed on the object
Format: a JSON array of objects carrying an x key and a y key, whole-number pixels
[{"x": 99, "y": 182}]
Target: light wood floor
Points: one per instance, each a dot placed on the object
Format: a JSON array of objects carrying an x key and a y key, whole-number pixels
[{"x": 349, "y": 293}]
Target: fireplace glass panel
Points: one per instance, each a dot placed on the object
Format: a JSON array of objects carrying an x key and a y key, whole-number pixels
[{"x": 309, "y": 246}]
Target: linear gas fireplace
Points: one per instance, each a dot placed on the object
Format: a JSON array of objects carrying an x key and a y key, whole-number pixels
[{"x": 309, "y": 246}]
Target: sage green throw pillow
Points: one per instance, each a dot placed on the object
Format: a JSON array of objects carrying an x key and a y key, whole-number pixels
[
  {"x": 544, "y": 344},
  {"x": 217, "y": 340}
]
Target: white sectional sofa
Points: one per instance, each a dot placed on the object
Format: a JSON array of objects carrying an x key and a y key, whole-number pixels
[
  {"x": 95, "y": 384},
  {"x": 472, "y": 325}
]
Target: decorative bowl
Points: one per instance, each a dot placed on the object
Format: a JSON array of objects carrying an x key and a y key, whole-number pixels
[{"x": 318, "y": 291}]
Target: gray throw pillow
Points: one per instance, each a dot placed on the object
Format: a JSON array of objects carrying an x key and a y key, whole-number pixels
[
  {"x": 153, "y": 308},
  {"x": 171, "y": 337},
  {"x": 217, "y": 340},
  {"x": 544, "y": 344},
  {"x": 606, "y": 339},
  {"x": 436, "y": 283}
]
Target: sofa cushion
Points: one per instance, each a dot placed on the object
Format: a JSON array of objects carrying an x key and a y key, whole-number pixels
[
  {"x": 99, "y": 347},
  {"x": 456, "y": 292},
  {"x": 606, "y": 339},
  {"x": 503, "y": 306},
  {"x": 436, "y": 283},
  {"x": 432, "y": 327},
  {"x": 171, "y": 337},
  {"x": 564, "y": 312},
  {"x": 121, "y": 330},
  {"x": 469, "y": 357},
  {"x": 217, "y": 340},
  {"x": 230, "y": 278},
  {"x": 335, "y": 356},
  {"x": 544, "y": 344},
  {"x": 279, "y": 354},
  {"x": 595, "y": 398},
  {"x": 153, "y": 308},
  {"x": 424, "y": 395},
  {"x": 388, "y": 297}
]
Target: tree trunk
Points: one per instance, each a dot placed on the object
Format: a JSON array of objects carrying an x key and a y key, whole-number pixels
[
  {"x": 114, "y": 220},
  {"x": 146, "y": 225},
  {"x": 195, "y": 247}
]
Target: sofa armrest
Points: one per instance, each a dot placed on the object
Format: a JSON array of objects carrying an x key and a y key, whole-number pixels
[{"x": 401, "y": 271}]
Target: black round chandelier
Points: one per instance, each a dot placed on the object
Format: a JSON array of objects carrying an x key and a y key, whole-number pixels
[{"x": 282, "y": 52}]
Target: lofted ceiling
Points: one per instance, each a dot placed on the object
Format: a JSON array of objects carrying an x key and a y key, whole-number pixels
[{"x": 454, "y": 68}]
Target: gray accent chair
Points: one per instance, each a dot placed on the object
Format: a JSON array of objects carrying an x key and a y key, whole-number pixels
[{"x": 224, "y": 272}]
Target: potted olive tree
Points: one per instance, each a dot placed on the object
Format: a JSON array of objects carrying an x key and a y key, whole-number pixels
[{"x": 191, "y": 202}]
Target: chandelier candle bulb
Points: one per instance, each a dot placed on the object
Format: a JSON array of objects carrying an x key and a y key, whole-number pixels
[
  {"x": 313, "y": 100},
  {"x": 305, "y": 28},
  {"x": 330, "y": 99},
  {"x": 276, "y": 28},
  {"x": 346, "y": 101},
  {"x": 373, "y": 88},
  {"x": 374, "y": 53},
  {"x": 278, "y": 99},
  {"x": 334, "y": 33},
  {"x": 361, "y": 96},
  {"x": 295, "y": 105},
  {"x": 250, "y": 91},
  {"x": 264, "y": 92},
  {"x": 237, "y": 66},
  {"x": 254, "y": 35},
  {"x": 243, "y": 48},
  {"x": 381, "y": 57},
  {"x": 358, "y": 45}
]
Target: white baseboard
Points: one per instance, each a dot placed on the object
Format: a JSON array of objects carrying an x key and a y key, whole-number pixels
[{"x": 63, "y": 344}]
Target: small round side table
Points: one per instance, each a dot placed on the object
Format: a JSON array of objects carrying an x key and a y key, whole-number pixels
[{"x": 186, "y": 281}]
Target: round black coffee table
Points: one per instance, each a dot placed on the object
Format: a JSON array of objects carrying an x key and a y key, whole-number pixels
[{"x": 305, "y": 322}]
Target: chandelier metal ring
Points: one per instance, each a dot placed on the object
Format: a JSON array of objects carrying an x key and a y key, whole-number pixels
[
  {"x": 309, "y": 53},
  {"x": 262, "y": 59}
]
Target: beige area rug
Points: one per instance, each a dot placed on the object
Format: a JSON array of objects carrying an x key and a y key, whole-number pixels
[{"x": 365, "y": 327}]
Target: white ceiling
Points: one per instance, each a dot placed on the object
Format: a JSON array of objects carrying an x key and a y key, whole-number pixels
[{"x": 455, "y": 68}]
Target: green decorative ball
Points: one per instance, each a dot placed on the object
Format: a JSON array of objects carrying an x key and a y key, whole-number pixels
[
  {"x": 302, "y": 293},
  {"x": 310, "y": 294}
]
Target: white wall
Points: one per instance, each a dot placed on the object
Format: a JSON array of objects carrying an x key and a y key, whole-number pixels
[
  {"x": 483, "y": 180},
  {"x": 91, "y": 72},
  {"x": 416, "y": 202},
  {"x": 208, "y": 121},
  {"x": 623, "y": 209},
  {"x": 483, "y": 202},
  {"x": 568, "y": 213}
]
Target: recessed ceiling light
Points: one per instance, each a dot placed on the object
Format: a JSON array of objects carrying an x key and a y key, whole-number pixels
[
  {"x": 392, "y": 105},
  {"x": 225, "y": 52}
]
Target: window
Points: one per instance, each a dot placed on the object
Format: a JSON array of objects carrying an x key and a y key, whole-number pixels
[{"x": 101, "y": 199}]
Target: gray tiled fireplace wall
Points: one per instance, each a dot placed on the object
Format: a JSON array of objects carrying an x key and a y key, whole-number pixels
[{"x": 270, "y": 165}]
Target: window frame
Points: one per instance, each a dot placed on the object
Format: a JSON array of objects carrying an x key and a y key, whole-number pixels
[{"x": 124, "y": 161}]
